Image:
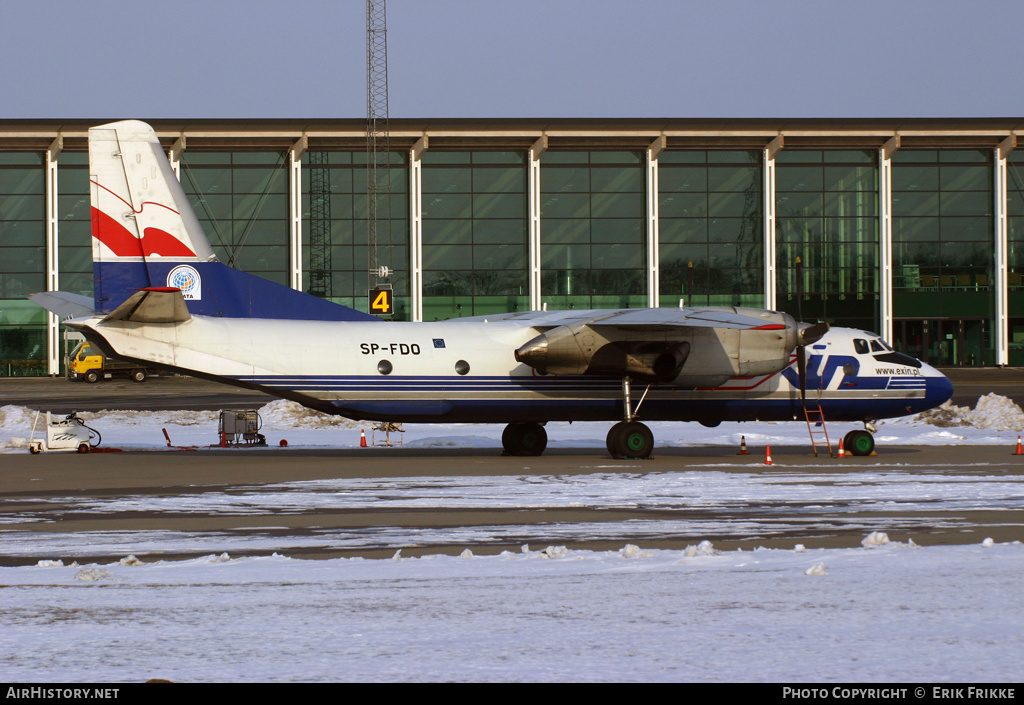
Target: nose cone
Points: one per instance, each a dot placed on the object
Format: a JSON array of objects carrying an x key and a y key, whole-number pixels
[
  {"x": 938, "y": 388},
  {"x": 534, "y": 353}
]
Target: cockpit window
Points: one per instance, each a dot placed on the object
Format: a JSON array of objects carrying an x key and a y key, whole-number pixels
[
  {"x": 876, "y": 346},
  {"x": 861, "y": 346}
]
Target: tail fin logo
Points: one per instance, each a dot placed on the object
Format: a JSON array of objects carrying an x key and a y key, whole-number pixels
[
  {"x": 121, "y": 241},
  {"x": 188, "y": 280}
]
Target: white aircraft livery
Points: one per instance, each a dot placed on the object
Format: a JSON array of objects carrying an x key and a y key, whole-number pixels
[{"x": 162, "y": 298}]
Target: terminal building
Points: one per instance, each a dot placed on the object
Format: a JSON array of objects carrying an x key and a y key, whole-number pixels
[{"x": 913, "y": 228}]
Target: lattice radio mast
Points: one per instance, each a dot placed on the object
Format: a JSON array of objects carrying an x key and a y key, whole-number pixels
[
  {"x": 378, "y": 179},
  {"x": 320, "y": 266}
]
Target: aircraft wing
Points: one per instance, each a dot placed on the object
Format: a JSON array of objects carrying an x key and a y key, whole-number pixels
[{"x": 663, "y": 318}]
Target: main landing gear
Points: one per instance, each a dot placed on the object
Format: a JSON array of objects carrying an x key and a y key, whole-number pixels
[
  {"x": 524, "y": 439},
  {"x": 629, "y": 438},
  {"x": 626, "y": 439}
]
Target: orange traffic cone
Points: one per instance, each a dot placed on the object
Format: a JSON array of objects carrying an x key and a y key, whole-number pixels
[
  {"x": 1020, "y": 448},
  {"x": 767, "y": 455},
  {"x": 842, "y": 453},
  {"x": 362, "y": 438},
  {"x": 743, "y": 445}
]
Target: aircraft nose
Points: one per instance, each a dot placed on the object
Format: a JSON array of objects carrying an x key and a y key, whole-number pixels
[{"x": 939, "y": 389}]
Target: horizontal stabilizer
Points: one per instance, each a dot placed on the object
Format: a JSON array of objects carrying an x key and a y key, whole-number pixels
[
  {"x": 155, "y": 305},
  {"x": 63, "y": 304}
]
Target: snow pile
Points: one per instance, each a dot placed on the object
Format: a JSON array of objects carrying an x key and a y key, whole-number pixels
[
  {"x": 704, "y": 548},
  {"x": 16, "y": 425},
  {"x": 875, "y": 539},
  {"x": 148, "y": 418},
  {"x": 282, "y": 413},
  {"x": 992, "y": 412}
]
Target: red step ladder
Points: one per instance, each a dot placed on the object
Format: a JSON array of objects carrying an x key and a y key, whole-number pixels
[{"x": 816, "y": 427}]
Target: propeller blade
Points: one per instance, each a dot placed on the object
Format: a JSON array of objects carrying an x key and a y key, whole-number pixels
[
  {"x": 812, "y": 333},
  {"x": 801, "y": 371}
]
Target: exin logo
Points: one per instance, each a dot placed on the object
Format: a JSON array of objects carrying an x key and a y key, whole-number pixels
[{"x": 187, "y": 279}]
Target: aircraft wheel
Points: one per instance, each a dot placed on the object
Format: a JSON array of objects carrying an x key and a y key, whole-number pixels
[
  {"x": 524, "y": 439},
  {"x": 506, "y": 439},
  {"x": 630, "y": 440},
  {"x": 612, "y": 441},
  {"x": 859, "y": 443},
  {"x": 138, "y": 375},
  {"x": 92, "y": 376}
]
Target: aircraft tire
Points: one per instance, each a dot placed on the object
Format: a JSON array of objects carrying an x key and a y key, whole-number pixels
[
  {"x": 506, "y": 439},
  {"x": 524, "y": 439},
  {"x": 630, "y": 440},
  {"x": 532, "y": 439},
  {"x": 859, "y": 443}
]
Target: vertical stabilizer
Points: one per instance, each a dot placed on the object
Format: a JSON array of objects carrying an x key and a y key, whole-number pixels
[
  {"x": 145, "y": 234},
  {"x": 139, "y": 209}
]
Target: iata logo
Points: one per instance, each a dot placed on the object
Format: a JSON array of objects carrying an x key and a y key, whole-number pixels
[{"x": 187, "y": 279}]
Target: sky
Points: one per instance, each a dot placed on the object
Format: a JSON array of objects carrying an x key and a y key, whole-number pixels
[{"x": 519, "y": 58}]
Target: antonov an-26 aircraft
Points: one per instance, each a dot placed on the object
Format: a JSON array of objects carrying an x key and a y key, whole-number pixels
[{"x": 162, "y": 298}]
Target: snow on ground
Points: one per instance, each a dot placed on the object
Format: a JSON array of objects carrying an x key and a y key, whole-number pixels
[
  {"x": 995, "y": 420},
  {"x": 885, "y": 612}
]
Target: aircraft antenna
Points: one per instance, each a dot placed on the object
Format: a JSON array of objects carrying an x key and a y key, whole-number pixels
[{"x": 378, "y": 177}]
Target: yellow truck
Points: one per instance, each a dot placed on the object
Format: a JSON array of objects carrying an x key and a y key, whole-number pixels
[{"x": 86, "y": 362}]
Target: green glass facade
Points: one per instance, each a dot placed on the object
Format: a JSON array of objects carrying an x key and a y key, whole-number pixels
[
  {"x": 348, "y": 231},
  {"x": 827, "y": 216},
  {"x": 711, "y": 228},
  {"x": 23, "y": 263},
  {"x": 475, "y": 245},
  {"x": 1015, "y": 254},
  {"x": 74, "y": 222},
  {"x": 241, "y": 200},
  {"x": 593, "y": 240},
  {"x": 897, "y": 233},
  {"x": 943, "y": 244}
]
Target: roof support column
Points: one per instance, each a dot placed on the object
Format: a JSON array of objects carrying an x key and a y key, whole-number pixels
[
  {"x": 53, "y": 346},
  {"x": 416, "y": 227},
  {"x": 1002, "y": 279},
  {"x": 533, "y": 216},
  {"x": 295, "y": 212},
  {"x": 653, "y": 254},
  {"x": 885, "y": 237},
  {"x": 770, "y": 272}
]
